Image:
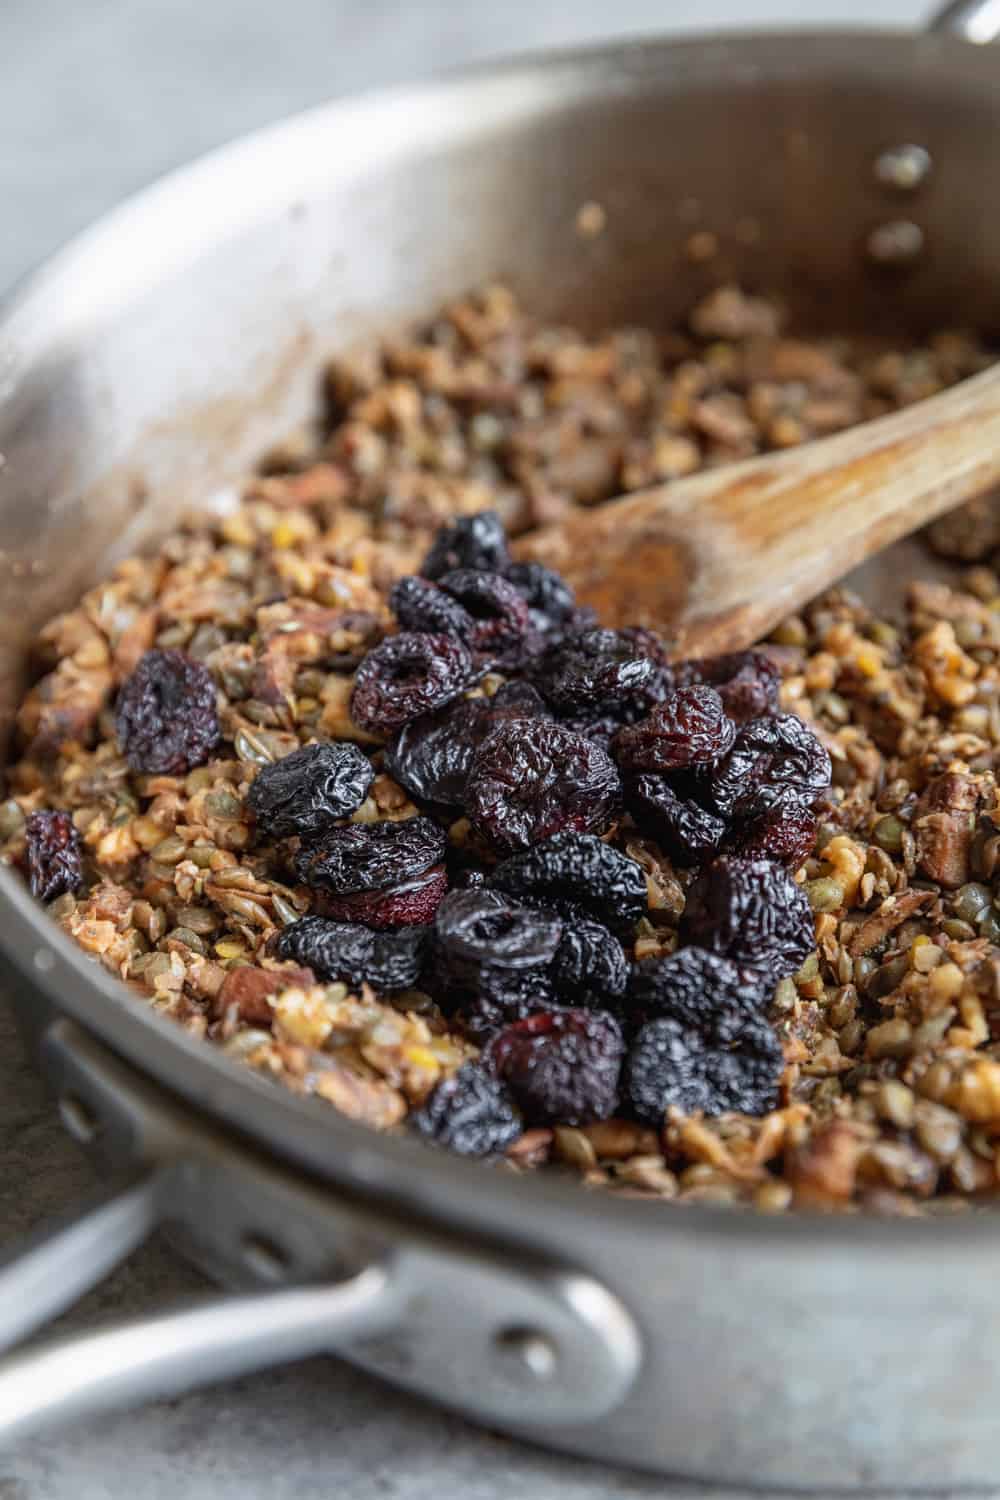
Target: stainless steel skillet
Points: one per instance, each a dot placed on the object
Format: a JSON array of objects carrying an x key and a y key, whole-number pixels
[{"x": 139, "y": 372}]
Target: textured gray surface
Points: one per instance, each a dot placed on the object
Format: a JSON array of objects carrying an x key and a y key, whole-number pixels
[{"x": 96, "y": 97}]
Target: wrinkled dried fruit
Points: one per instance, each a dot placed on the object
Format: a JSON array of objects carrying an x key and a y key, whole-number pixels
[
  {"x": 480, "y": 928},
  {"x": 748, "y": 682},
  {"x": 589, "y": 967},
  {"x": 561, "y": 1066},
  {"x": 775, "y": 761},
  {"x": 689, "y": 728},
  {"x": 699, "y": 989},
  {"x": 54, "y": 854},
  {"x": 519, "y": 700},
  {"x": 371, "y": 856},
  {"x": 422, "y": 606},
  {"x": 580, "y": 870},
  {"x": 471, "y": 1113},
  {"x": 599, "y": 671},
  {"x": 674, "y": 1065},
  {"x": 532, "y": 778},
  {"x": 499, "y": 615},
  {"x": 549, "y": 598},
  {"x": 308, "y": 790},
  {"x": 432, "y": 756},
  {"x": 477, "y": 541},
  {"x": 688, "y": 833},
  {"x": 410, "y": 904},
  {"x": 165, "y": 717},
  {"x": 502, "y": 996},
  {"x": 601, "y": 728},
  {"x": 786, "y": 834},
  {"x": 646, "y": 642},
  {"x": 408, "y": 675},
  {"x": 339, "y": 950},
  {"x": 751, "y": 911}
]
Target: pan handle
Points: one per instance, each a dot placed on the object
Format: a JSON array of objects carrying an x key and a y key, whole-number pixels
[
  {"x": 165, "y": 1353},
  {"x": 971, "y": 20},
  {"x": 512, "y": 1338}
]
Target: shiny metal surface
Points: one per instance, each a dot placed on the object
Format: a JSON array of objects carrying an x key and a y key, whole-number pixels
[
  {"x": 975, "y": 21},
  {"x": 168, "y": 1353},
  {"x": 157, "y": 355},
  {"x": 67, "y": 1258},
  {"x": 529, "y": 1341}
]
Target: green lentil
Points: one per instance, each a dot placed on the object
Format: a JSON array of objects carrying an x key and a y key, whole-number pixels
[
  {"x": 888, "y": 977},
  {"x": 809, "y": 969},
  {"x": 224, "y": 805},
  {"x": 12, "y": 819},
  {"x": 200, "y": 919},
  {"x": 888, "y": 834},
  {"x": 249, "y": 748},
  {"x": 971, "y": 901},
  {"x": 785, "y": 996},
  {"x": 825, "y": 894},
  {"x": 283, "y": 909},
  {"x": 169, "y": 851},
  {"x": 864, "y": 968},
  {"x": 186, "y": 936}
]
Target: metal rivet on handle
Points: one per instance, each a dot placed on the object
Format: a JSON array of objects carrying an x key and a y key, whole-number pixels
[
  {"x": 264, "y": 1258},
  {"x": 903, "y": 168},
  {"x": 78, "y": 1117},
  {"x": 529, "y": 1350},
  {"x": 899, "y": 242}
]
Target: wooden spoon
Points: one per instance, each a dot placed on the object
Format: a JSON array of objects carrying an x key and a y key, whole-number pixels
[{"x": 716, "y": 560}]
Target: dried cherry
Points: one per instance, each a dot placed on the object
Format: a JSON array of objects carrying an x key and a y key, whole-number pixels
[
  {"x": 412, "y": 903},
  {"x": 531, "y": 778},
  {"x": 752, "y": 911},
  {"x": 470, "y": 1113},
  {"x": 54, "y": 854},
  {"x": 549, "y": 598},
  {"x": 500, "y": 619},
  {"x": 775, "y": 761},
  {"x": 305, "y": 792},
  {"x": 422, "y": 606},
  {"x": 673, "y": 1064},
  {"x": 562, "y": 1067},
  {"x": 356, "y": 857},
  {"x": 580, "y": 870},
  {"x": 689, "y": 728},
  {"x": 687, "y": 832},
  {"x": 431, "y": 757},
  {"x": 748, "y": 682},
  {"x": 599, "y": 671},
  {"x": 408, "y": 675},
  {"x": 477, "y": 541},
  {"x": 477, "y": 929},
  {"x": 696, "y": 988},
  {"x": 589, "y": 967},
  {"x": 166, "y": 717},
  {"x": 340, "y": 950},
  {"x": 500, "y": 997},
  {"x": 785, "y": 833}
]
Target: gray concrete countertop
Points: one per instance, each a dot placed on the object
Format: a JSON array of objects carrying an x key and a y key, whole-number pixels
[{"x": 96, "y": 98}]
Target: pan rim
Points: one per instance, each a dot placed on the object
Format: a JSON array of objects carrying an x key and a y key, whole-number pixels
[{"x": 327, "y": 1146}]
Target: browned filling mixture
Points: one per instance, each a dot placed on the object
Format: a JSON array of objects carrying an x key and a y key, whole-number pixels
[{"x": 334, "y": 784}]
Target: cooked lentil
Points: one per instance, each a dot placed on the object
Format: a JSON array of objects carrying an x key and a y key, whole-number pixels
[{"x": 890, "y": 1029}]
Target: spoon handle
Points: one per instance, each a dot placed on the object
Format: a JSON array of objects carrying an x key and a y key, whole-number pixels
[{"x": 715, "y": 561}]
